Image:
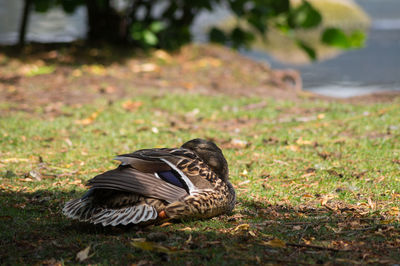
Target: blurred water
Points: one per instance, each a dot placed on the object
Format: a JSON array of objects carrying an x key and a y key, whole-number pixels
[
  {"x": 52, "y": 26},
  {"x": 374, "y": 68}
]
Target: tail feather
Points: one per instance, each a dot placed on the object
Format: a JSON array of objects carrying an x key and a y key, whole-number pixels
[
  {"x": 83, "y": 210},
  {"x": 75, "y": 208},
  {"x": 134, "y": 214}
]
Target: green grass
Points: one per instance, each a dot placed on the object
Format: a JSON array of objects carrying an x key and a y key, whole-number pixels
[{"x": 323, "y": 177}]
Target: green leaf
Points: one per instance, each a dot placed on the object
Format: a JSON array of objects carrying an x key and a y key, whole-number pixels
[
  {"x": 305, "y": 16},
  {"x": 69, "y": 6},
  {"x": 237, "y": 7},
  {"x": 156, "y": 26},
  {"x": 40, "y": 70},
  {"x": 150, "y": 38},
  {"x": 357, "y": 39},
  {"x": 42, "y": 5},
  {"x": 217, "y": 35},
  {"x": 281, "y": 6},
  {"x": 259, "y": 23},
  {"x": 241, "y": 38},
  {"x": 335, "y": 37},
  {"x": 308, "y": 49}
]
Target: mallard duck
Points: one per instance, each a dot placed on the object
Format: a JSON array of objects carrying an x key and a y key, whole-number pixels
[{"x": 153, "y": 185}]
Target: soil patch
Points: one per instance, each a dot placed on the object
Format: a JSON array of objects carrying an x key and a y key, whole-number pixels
[{"x": 76, "y": 74}]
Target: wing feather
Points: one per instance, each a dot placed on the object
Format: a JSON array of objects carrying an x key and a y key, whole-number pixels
[{"x": 126, "y": 178}]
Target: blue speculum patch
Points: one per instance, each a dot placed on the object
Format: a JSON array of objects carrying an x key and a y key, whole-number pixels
[{"x": 171, "y": 178}]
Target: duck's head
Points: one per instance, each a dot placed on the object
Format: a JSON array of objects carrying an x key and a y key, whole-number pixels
[{"x": 209, "y": 152}]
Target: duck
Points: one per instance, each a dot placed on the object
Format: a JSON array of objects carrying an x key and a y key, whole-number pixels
[{"x": 156, "y": 185}]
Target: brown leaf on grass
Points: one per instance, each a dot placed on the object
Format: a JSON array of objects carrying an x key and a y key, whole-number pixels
[
  {"x": 335, "y": 173},
  {"x": 244, "y": 173},
  {"x": 241, "y": 227},
  {"x": 35, "y": 175},
  {"x": 163, "y": 56},
  {"x": 107, "y": 89},
  {"x": 165, "y": 224},
  {"x": 89, "y": 120},
  {"x": 151, "y": 246},
  {"x": 303, "y": 142},
  {"x": 275, "y": 243},
  {"x": 238, "y": 143},
  {"x": 324, "y": 154},
  {"x": 294, "y": 148},
  {"x": 395, "y": 195},
  {"x": 83, "y": 254},
  {"x": 266, "y": 185},
  {"x": 394, "y": 211},
  {"x": 371, "y": 204},
  {"x": 307, "y": 175},
  {"x": 271, "y": 140},
  {"x": 146, "y": 67},
  {"x": 19, "y": 205},
  {"x": 51, "y": 262},
  {"x": 185, "y": 229},
  {"x": 97, "y": 69},
  {"x": 326, "y": 198},
  {"x": 131, "y": 106}
]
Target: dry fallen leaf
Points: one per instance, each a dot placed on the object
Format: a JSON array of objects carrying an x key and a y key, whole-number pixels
[
  {"x": 83, "y": 254},
  {"x": 131, "y": 106},
  {"x": 275, "y": 243},
  {"x": 238, "y": 143},
  {"x": 371, "y": 204},
  {"x": 36, "y": 175},
  {"x": 294, "y": 148},
  {"x": 163, "y": 56},
  {"x": 89, "y": 120},
  {"x": 165, "y": 224},
  {"x": 244, "y": 173},
  {"x": 146, "y": 67},
  {"x": 326, "y": 198},
  {"x": 301, "y": 141},
  {"x": 395, "y": 211},
  {"x": 241, "y": 227},
  {"x": 189, "y": 240},
  {"x": 185, "y": 229},
  {"x": 151, "y": 246}
]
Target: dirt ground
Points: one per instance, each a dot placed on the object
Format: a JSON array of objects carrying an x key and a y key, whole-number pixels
[{"x": 44, "y": 75}]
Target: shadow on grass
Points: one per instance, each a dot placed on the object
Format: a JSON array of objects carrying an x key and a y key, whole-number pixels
[
  {"x": 73, "y": 54},
  {"x": 34, "y": 231}
]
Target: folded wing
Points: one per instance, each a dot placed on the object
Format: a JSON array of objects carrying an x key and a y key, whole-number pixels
[{"x": 127, "y": 178}]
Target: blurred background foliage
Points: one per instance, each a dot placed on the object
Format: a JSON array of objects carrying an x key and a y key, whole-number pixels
[{"x": 166, "y": 24}]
